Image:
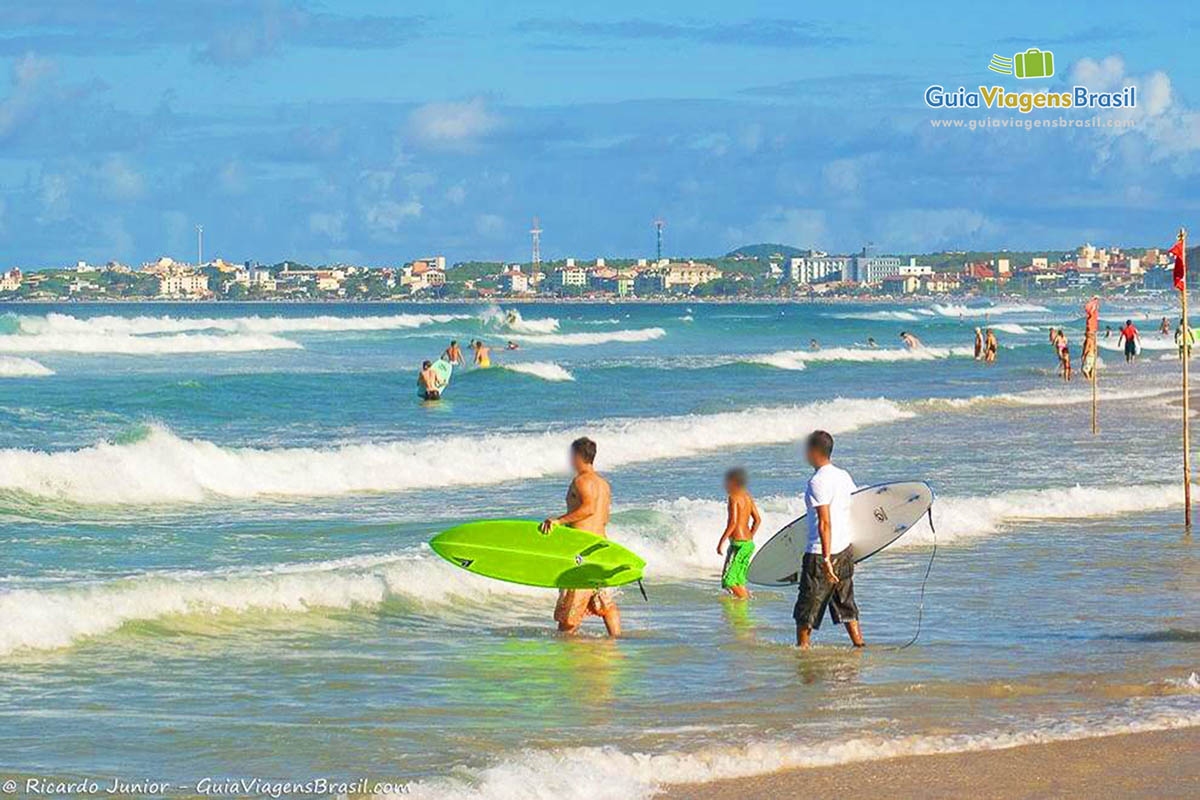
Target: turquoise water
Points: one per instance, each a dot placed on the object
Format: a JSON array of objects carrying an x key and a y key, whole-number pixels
[{"x": 214, "y": 517}]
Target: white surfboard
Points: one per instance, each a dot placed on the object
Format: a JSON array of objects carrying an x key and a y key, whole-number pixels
[{"x": 879, "y": 514}]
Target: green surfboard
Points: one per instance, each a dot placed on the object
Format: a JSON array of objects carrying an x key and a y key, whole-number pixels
[
  {"x": 443, "y": 369},
  {"x": 515, "y": 550}
]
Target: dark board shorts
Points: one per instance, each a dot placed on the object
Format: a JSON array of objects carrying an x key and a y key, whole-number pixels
[{"x": 817, "y": 593}]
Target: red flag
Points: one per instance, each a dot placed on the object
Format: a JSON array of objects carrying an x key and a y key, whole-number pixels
[
  {"x": 1180, "y": 266},
  {"x": 1092, "y": 313}
]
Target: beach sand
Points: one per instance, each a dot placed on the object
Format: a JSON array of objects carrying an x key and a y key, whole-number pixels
[{"x": 1159, "y": 764}]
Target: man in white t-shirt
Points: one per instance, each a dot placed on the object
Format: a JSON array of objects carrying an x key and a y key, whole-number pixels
[{"x": 827, "y": 574}]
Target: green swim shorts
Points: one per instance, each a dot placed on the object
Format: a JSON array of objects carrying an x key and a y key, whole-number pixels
[{"x": 737, "y": 563}]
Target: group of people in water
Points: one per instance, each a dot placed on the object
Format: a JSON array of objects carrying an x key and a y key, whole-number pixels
[
  {"x": 826, "y": 569},
  {"x": 986, "y": 345},
  {"x": 431, "y": 383},
  {"x": 1129, "y": 341}
]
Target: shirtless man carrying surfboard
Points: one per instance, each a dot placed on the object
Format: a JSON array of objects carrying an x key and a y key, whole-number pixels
[{"x": 589, "y": 502}]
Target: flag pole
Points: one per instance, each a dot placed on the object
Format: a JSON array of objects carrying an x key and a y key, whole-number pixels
[
  {"x": 1095, "y": 376},
  {"x": 1186, "y": 342}
]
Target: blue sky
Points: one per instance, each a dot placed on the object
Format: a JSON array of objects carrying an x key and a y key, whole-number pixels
[{"x": 381, "y": 131}]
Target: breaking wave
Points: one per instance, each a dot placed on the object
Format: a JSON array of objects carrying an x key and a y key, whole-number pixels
[
  {"x": 49, "y": 618},
  {"x": 798, "y": 359},
  {"x": 16, "y": 367},
  {"x": 606, "y": 773},
  {"x": 161, "y": 467},
  {"x": 546, "y": 370},
  {"x": 956, "y": 310},
  {"x": 590, "y": 338},
  {"x": 142, "y": 325},
  {"x": 676, "y": 536},
  {"x": 126, "y": 344},
  {"x": 513, "y": 321}
]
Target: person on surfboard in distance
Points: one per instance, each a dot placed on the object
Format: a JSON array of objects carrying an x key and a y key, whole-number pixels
[
  {"x": 589, "y": 503},
  {"x": 740, "y": 527},
  {"x": 827, "y": 570}
]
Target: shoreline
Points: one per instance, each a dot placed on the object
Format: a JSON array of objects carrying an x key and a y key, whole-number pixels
[{"x": 1159, "y": 764}]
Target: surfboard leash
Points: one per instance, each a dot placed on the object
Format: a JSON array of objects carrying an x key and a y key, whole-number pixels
[{"x": 925, "y": 580}]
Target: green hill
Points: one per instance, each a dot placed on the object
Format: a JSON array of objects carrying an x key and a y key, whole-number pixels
[{"x": 765, "y": 250}]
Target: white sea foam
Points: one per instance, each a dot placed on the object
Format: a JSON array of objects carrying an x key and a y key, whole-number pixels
[
  {"x": 164, "y": 468},
  {"x": 1057, "y": 396},
  {"x": 16, "y": 367},
  {"x": 142, "y": 325},
  {"x": 798, "y": 359},
  {"x": 125, "y": 344},
  {"x": 546, "y": 370},
  {"x": 676, "y": 536},
  {"x": 605, "y": 773},
  {"x": 589, "y": 338},
  {"x": 58, "y": 616},
  {"x": 881, "y": 316},
  {"x": 513, "y": 321},
  {"x": 956, "y": 310},
  {"x": 1146, "y": 342},
  {"x": 1014, "y": 328}
]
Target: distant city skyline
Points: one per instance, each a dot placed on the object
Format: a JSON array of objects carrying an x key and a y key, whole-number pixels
[{"x": 360, "y": 132}]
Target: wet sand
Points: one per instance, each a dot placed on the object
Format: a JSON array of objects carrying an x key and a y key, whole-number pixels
[{"x": 1160, "y": 764}]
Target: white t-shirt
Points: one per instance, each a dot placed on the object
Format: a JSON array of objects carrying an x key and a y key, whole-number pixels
[{"x": 829, "y": 486}]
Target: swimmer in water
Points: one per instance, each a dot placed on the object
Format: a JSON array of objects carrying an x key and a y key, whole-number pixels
[{"x": 910, "y": 341}]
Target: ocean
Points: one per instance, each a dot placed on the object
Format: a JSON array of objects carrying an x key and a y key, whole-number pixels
[{"x": 215, "y": 520}]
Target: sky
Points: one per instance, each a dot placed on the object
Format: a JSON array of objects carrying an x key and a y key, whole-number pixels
[{"x": 377, "y": 132}]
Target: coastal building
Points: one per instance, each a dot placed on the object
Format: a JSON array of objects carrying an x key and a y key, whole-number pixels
[
  {"x": 900, "y": 284},
  {"x": 183, "y": 284},
  {"x": 817, "y": 267},
  {"x": 568, "y": 277},
  {"x": 10, "y": 281},
  {"x": 625, "y": 283},
  {"x": 689, "y": 274},
  {"x": 870, "y": 268},
  {"x": 650, "y": 282},
  {"x": 514, "y": 281},
  {"x": 913, "y": 268}
]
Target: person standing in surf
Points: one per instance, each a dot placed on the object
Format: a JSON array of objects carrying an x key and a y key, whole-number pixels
[
  {"x": 429, "y": 382},
  {"x": 1129, "y": 335},
  {"x": 990, "y": 347},
  {"x": 978, "y": 344},
  {"x": 827, "y": 569},
  {"x": 589, "y": 504},
  {"x": 454, "y": 354},
  {"x": 740, "y": 526}
]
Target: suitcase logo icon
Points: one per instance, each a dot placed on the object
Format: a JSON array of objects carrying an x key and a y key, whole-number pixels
[{"x": 1033, "y": 63}]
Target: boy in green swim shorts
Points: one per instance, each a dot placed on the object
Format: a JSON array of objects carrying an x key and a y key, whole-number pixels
[{"x": 742, "y": 524}]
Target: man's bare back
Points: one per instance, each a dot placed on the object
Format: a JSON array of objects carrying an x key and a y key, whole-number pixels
[{"x": 592, "y": 492}]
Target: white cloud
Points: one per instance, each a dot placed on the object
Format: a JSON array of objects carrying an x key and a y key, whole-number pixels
[
  {"x": 1163, "y": 129},
  {"x": 452, "y": 124},
  {"x": 55, "y": 196},
  {"x": 328, "y": 224},
  {"x": 120, "y": 180},
  {"x": 803, "y": 227},
  {"x": 922, "y": 228},
  {"x": 843, "y": 175},
  {"x": 32, "y": 79},
  {"x": 389, "y": 215},
  {"x": 489, "y": 224},
  {"x": 457, "y": 194}
]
